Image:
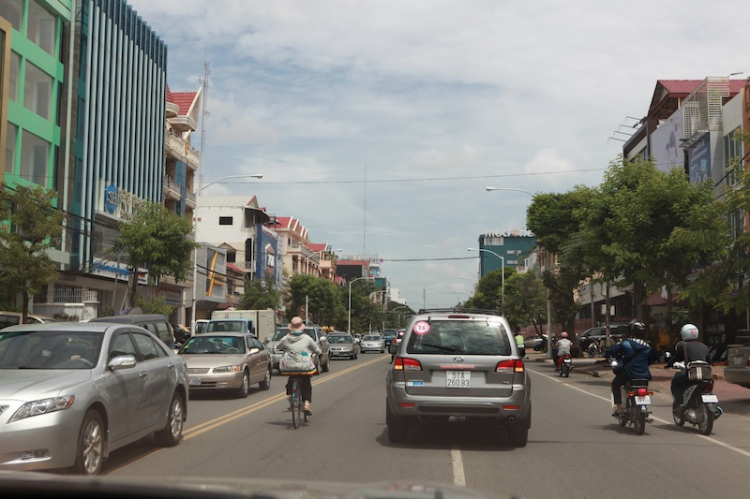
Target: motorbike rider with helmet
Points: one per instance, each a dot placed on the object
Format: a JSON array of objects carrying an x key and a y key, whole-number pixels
[
  {"x": 563, "y": 349},
  {"x": 695, "y": 350},
  {"x": 636, "y": 355}
]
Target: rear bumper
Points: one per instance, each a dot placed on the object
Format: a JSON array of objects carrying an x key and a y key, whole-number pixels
[{"x": 511, "y": 410}]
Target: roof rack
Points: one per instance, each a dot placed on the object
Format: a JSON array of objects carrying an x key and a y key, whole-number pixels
[{"x": 459, "y": 309}]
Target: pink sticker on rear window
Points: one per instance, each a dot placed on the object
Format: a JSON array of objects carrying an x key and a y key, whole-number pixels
[{"x": 421, "y": 328}]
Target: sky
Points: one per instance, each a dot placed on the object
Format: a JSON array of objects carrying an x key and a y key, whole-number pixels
[{"x": 380, "y": 123}]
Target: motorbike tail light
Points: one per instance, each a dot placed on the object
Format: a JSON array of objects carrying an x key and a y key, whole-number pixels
[
  {"x": 404, "y": 364},
  {"x": 641, "y": 392},
  {"x": 707, "y": 387},
  {"x": 510, "y": 366}
]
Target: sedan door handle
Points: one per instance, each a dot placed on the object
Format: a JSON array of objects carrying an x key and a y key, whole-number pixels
[
  {"x": 143, "y": 374},
  {"x": 170, "y": 366}
]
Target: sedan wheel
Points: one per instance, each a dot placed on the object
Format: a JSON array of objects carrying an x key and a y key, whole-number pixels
[
  {"x": 172, "y": 432},
  {"x": 90, "y": 453},
  {"x": 244, "y": 389},
  {"x": 266, "y": 383}
]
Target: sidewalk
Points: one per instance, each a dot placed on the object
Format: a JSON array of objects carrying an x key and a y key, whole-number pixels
[{"x": 734, "y": 399}]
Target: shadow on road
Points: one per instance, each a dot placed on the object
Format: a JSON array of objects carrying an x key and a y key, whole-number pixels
[{"x": 442, "y": 435}]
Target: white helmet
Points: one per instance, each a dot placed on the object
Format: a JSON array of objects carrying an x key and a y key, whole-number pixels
[{"x": 689, "y": 332}]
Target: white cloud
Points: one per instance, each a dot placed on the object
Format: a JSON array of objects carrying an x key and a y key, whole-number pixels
[{"x": 478, "y": 91}]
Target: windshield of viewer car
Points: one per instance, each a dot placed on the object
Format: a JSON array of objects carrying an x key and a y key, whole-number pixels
[{"x": 49, "y": 349}]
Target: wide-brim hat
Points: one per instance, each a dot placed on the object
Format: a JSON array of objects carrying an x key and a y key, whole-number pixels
[{"x": 296, "y": 324}]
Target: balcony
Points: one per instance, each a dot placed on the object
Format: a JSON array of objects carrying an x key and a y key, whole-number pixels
[
  {"x": 171, "y": 189},
  {"x": 190, "y": 200},
  {"x": 246, "y": 267}
]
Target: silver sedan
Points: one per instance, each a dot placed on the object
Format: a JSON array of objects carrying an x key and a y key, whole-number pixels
[
  {"x": 72, "y": 392},
  {"x": 372, "y": 343}
]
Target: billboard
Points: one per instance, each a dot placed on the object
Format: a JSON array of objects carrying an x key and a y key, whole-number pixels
[
  {"x": 699, "y": 159},
  {"x": 665, "y": 143}
]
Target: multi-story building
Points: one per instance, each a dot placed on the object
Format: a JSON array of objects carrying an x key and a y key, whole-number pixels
[
  {"x": 33, "y": 109},
  {"x": 297, "y": 256},
  {"x": 509, "y": 249}
]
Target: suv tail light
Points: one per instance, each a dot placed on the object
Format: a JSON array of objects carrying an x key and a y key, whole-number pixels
[
  {"x": 404, "y": 364},
  {"x": 510, "y": 366}
]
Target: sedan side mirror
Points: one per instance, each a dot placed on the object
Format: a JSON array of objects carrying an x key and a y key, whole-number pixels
[
  {"x": 122, "y": 362},
  {"x": 254, "y": 350},
  {"x": 267, "y": 339}
]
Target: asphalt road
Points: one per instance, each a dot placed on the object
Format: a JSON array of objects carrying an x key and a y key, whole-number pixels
[{"x": 576, "y": 448}]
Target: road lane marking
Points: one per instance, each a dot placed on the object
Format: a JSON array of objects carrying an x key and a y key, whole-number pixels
[
  {"x": 655, "y": 418},
  {"x": 226, "y": 418},
  {"x": 458, "y": 468}
]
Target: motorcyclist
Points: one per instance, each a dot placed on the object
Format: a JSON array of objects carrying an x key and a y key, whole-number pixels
[
  {"x": 635, "y": 356},
  {"x": 563, "y": 349},
  {"x": 695, "y": 350},
  {"x": 520, "y": 343}
]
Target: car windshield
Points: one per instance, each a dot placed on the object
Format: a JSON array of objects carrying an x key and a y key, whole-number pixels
[
  {"x": 389, "y": 334},
  {"x": 461, "y": 337},
  {"x": 225, "y": 326},
  {"x": 371, "y": 338},
  {"x": 214, "y": 344},
  {"x": 339, "y": 339},
  {"x": 49, "y": 349}
]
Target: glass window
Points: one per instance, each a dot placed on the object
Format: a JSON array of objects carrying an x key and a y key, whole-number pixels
[
  {"x": 15, "y": 62},
  {"x": 10, "y": 149},
  {"x": 37, "y": 91},
  {"x": 146, "y": 346},
  {"x": 11, "y": 10},
  {"x": 225, "y": 220},
  {"x": 121, "y": 345},
  {"x": 34, "y": 158},
  {"x": 42, "y": 27}
]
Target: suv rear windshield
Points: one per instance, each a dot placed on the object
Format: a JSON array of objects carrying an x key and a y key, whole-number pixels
[{"x": 461, "y": 337}]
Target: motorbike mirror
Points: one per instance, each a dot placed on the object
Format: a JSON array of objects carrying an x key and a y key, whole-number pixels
[
  {"x": 667, "y": 355},
  {"x": 613, "y": 363}
]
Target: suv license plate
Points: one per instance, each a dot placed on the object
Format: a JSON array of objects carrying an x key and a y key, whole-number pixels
[
  {"x": 195, "y": 381},
  {"x": 458, "y": 379},
  {"x": 710, "y": 399},
  {"x": 645, "y": 400}
]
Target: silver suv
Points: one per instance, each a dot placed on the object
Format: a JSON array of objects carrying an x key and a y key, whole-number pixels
[{"x": 458, "y": 363}]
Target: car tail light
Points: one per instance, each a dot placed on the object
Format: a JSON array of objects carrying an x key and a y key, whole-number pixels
[
  {"x": 510, "y": 366},
  {"x": 404, "y": 364}
]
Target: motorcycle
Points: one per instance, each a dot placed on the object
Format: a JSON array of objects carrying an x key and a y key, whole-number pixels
[
  {"x": 636, "y": 401},
  {"x": 700, "y": 407},
  {"x": 566, "y": 365}
]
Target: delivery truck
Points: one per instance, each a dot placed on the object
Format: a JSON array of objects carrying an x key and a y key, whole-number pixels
[{"x": 259, "y": 323}]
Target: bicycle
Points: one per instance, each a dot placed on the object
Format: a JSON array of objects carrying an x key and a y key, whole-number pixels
[{"x": 296, "y": 407}]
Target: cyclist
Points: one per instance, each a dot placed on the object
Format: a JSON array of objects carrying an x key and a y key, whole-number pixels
[{"x": 297, "y": 362}]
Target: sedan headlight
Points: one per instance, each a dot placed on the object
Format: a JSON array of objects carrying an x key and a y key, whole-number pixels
[
  {"x": 228, "y": 369},
  {"x": 44, "y": 406}
]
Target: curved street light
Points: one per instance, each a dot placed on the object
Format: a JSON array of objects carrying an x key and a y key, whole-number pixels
[
  {"x": 508, "y": 189},
  {"x": 349, "y": 324},
  {"x": 502, "y": 275},
  {"x": 195, "y": 253}
]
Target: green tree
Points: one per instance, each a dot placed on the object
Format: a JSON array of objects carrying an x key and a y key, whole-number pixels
[
  {"x": 260, "y": 295},
  {"x": 488, "y": 292},
  {"x": 32, "y": 224},
  {"x": 321, "y": 296},
  {"x": 364, "y": 312},
  {"x": 158, "y": 240},
  {"x": 525, "y": 301},
  {"x": 154, "y": 305}
]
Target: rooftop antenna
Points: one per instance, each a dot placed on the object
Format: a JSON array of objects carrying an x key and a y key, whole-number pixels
[{"x": 205, "y": 115}]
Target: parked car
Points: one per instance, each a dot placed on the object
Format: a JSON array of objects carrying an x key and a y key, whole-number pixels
[
  {"x": 72, "y": 392},
  {"x": 616, "y": 331},
  {"x": 372, "y": 343},
  {"x": 158, "y": 324},
  {"x": 530, "y": 342},
  {"x": 8, "y": 319},
  {"x": 227, "y": 361},
  {"x": 343, "y": 345},
  {"x": 458, "y": 363},
  {"x": 314, "y": 332},
  {"x": 737, "y": 370}
]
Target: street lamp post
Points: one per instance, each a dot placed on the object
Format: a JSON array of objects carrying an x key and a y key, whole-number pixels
[
  {"x": 195, "y": 252},
  {"x": 502, "y": 275},
  {"x": 349, "y": 325},
  {"x": 508, "y": 189}
]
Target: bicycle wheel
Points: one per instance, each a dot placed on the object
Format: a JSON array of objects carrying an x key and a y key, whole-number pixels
[{"x": 296, "y": 404}]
